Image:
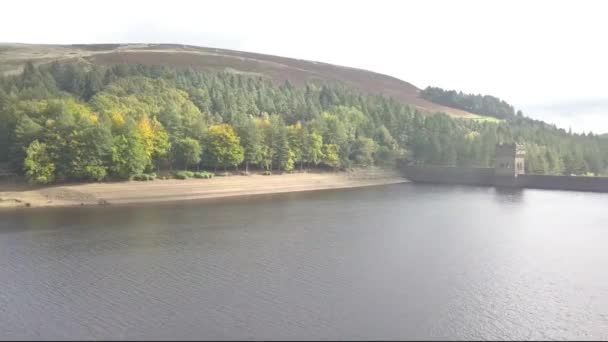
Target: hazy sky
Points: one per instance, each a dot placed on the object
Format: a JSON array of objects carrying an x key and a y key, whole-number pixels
[{"x": 547, "y": 57}]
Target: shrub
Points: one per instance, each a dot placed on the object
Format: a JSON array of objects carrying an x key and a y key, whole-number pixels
[
  {"x": 183, "y": 174},
  {"x": 267, "y": 173},
  {"x": 180, "y": 175},
  {"x": 140, "y": 177},
  {"x": 144, "y": 177},
  {"x": 95, "y": 172},
  {"x": 203, "y": 175}
]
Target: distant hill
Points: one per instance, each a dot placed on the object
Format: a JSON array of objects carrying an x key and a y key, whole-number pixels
[{"x": 14, "y": 56}]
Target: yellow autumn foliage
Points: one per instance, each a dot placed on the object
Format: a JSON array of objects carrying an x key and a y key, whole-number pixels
[{"x": 118, "y": 120}]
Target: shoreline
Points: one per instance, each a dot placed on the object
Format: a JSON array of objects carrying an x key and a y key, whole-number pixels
[{"x": 172, "y": 190}]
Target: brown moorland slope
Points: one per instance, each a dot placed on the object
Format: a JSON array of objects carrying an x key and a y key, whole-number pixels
[{"x": 279, "y": 69}]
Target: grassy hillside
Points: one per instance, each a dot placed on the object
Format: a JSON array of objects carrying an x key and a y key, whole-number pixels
[{"x": 279, "y": 69}]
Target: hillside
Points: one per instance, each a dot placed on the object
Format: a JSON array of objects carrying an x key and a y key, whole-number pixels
[
  {"x": 14, "y": 56},
  {"x": 158, "y": 108}
]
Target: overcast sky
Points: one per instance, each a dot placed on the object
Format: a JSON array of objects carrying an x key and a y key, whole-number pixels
[{"x": 547, "y": 57}]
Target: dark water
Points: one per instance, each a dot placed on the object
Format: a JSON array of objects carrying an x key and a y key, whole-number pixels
[{"x": 395, "y": 262}]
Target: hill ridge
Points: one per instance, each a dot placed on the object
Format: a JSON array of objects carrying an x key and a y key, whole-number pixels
[{"x": 13, "y": 57}]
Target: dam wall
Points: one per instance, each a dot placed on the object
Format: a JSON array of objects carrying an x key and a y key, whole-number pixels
[
  {"x": 488, "y": 177},
  {"x": 450, "y": 175},
  {"x": 597, "y": 184}
]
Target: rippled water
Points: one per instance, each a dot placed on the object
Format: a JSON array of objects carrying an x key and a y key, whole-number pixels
[{"x": 393, "y": 262}]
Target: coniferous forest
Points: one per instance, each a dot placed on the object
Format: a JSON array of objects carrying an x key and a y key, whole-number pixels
[{"x": 74, "y": 122}]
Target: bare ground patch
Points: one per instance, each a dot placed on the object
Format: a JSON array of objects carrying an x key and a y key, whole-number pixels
[{"x": 173, "y": 190}]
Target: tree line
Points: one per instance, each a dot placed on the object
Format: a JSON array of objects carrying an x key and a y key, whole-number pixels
[
  {"x": 549, "y": 150},
  {"x": 478, "y": 104},
  {"x": 78, "y": 122}
]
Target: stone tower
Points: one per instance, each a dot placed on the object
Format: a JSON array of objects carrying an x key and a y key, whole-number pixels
[{"x": 509, "y": 160}]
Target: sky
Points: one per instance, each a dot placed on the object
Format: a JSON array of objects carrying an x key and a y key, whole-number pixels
[{"x": 546, "y": 57}]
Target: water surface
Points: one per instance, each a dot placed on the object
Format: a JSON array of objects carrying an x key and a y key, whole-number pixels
[{"x": 403, "y": 261}]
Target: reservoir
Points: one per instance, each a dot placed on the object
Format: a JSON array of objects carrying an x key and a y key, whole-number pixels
[{"x": 405, "y": 261}]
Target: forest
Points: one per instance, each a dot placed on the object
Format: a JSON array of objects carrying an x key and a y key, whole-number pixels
[
  {"x": 480, "y": 104},
  {"x": 63, "y": 122}
]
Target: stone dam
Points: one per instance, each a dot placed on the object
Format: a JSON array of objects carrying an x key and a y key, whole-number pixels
[{"x": 507, "y": 172}]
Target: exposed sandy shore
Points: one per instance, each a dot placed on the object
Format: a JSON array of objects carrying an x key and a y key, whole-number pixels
[{"x": 175, "y": 190}]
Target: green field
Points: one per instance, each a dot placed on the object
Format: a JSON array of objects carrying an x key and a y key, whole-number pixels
[{"x": 481, "y": 118}]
